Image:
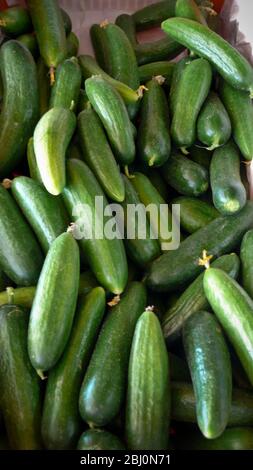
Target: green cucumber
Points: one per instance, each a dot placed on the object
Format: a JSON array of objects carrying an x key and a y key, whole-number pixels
[
  {"x": 48, "y": 24},
  {"x": 20, "y": 255},
  {"x": 106, "y": 257},
  {"x": 185, "y": 176},
  {"x": 67, "y": 22},
  {"x": 29, "y": 41},
  {"x": 87, "y": 282},
  {"x": 247, "y": 262},
  {"x": 153, "y": 139},
  {"x": 99, "y": 44},
  {"x": 141, "y": 249},
  {"x": 52, "y": 136},
  {"x": 43, "y": 85},
  {"x": 89, "y": 67},
  {"x": 204, "y": 42},
  {"x": 201, "y": 155},
  {"x": 234, "y": 308},
  {"x": 98, "y": 439},
  {"x": 111, "y": 109},
  {"x": 178, "y": 70},
  {"x": 213, "y": 125},
  {"x": 177, "y": 268},
  {"x": 15, "y": 21},
  {"x": 162, "y": 68},
  {"x": 20, "y": 103},
  {"x": 154, "y": 14},
  {"x": 209, "y": 363},
  {"x": 83, "y": 102},
  {"x": 52, "y": 314},
  {"x": 193, "y": 89},
  {"x": 19, "y": 385},
  {"x": 231, "y": 439},
  {"x": 229, "y": 193},
  {"x": 61, "y": 420},
  {"x": 189, "y": 9},
  {"x": 193, "y": 298},
  {"x": 194, "y": 213},
  {"x": 31, "y": 159},
  {"x": 72, "y": 45},
  {"x": 96, "y": 152},
  {"x": 101, "y": 397},
  {"x": 126, "y": 23},
  {"x": 45, "y": 213},
  {"x": 162, "y": 49},
  {"x": 65, "y": 91},
  {"x": 159, "y": 183},
  {"x": 239, "y": 107},
  {"x": 148, "y": 391}
]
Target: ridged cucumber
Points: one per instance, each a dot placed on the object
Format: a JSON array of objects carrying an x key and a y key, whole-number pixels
[
  {"x": 194, "y": 213},
  {"x": 65, "y": 91},
  {"x": 213, "y": 125},
  {"x": 246, "y": 254}
]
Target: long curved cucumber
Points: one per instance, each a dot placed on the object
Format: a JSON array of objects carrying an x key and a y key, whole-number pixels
[
  {"x": 154, "y": 14},
  {"x": 213, "y": 125},
  {"x": 98, "y": 439},
  {"x": 247, "y": 262},
  {"x": 15, "y": 21},
  {"x": 178, "y": 70},
  {"x": 194, "y": 213},
  {"x": 52, "y": 136},
  {"x": 162, "y": 68},
  {"x": 20, "y": 103},
  {"x": 31, "y": 160},
  {"x": 66, "y": 89},
  {"x": 126, "y": 23},
  {"x": 161, "y": 49},
  {"x": 52, "y": 313}
]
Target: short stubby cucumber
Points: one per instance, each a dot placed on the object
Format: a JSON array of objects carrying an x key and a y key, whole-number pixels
[
  {"x": 66, "y": 89},
  {"x": 194, "y": 213},
  {"x": 15, "y": 21},
  {"x": 185, "y": 176},
  {"x": 246, "y": 255}
]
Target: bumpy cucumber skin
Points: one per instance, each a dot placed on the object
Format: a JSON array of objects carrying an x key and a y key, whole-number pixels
[
  {"x": 246, "y": 255},
  {"x": 15, "y": 21},
  {"x": 52, "y": 314},
  {"x": 72, "y": 45},
  {"x": 161, "y": 49},
  {"x": 189, "y": 9},
  {"x": 52, "y": 136},
  {"x": 163, "y": 68},
  {"x": 19, "y": 384},
  {"x": 96, "y": 152},
  {"x": 153, "y": 139},
  {"x": 239, "y": 107},
  {"x": 213, "y": 125},
  {"x": 20, "y": 254},
  {"x": 65, "y": 91},
  {"x": 148, "y": 395},
  {"x": 176, "y": 77},
  {"x": 185, "y": 176},
  {"x": 231, "y": 65},
  {"x": 233, "y": 307},
  {"x": 61, "y": 422},
  {"x": 110, "y": 107},
  {"x": 29, "y": 41},
  {"x": 45, "y": 213},
  {"x": 209, "y": 363},
  {"x": 31, "y": 159},
  {"x": 20, "y": 103},
  {"x": 229, "y": 193},
  {"x": 232, "y": 439},
  {"x": 177, "y": 268},
  {"x": 49, "y": 28},
  {"x": 98, "y": 439},
  {"x": 193, "y": 88},
  {"x": 194, "y": 213},
  {"x": 126, "y": 23},
  {"x": 43, "y": 85},
  {"x": 107, "y": 258},
  {"x": 101, "y": 397},
  {"x": 152, "y": 15},
  {"x": 193, "y": 298}
]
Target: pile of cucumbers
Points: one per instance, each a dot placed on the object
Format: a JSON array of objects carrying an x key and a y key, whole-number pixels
[{"x": 116, "y": 343}]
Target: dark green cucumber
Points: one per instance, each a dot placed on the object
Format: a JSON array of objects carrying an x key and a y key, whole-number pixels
[
  {"x": 144, "y": 248},
  {"x": 49, "y": 28},
  {"x": 20, "y": 255},
  {"x": 183, "y": 406},
  {"x": 232, "y": 439},
  {"x": 193, "y": 89},
  {"x": 19, "y": 385},
  {"x": 98, "y": 439},
  {"x": 177, "y": 268},
  {"x": 30, "y": 41},
  {"x": 52, "y": 313},
  {"x": 233, "y": 307},
  {"x": 210, "y": 367},
  {"x": 246, "y": 254},
  {"x": 106, "y": 257},
  {"x": 83, "y": 102},
  {"x": 99, "y": 44},
  {"x": 65, "y": 91},
  {"x": 72, "y": 45},
  {"x": 44, "y": 86},
  {"x": 126, "y": 23},
  {"x": 31, "y": 159},
  {"x": 45, "y": 213},
  {"x": 159, "y": 183},
  {"x": 201, "y": 155},
  {"x": 193, "y": 298},
  {"x": 194, "y": 213},
  {"x": 178, "y": 70},
  {"x": 15, "y": 21},
  {"x": 89, "y": 68},
  {"x": 153, "y": 139},
  {"x": 162, "y": 49},
  {"x": 20, "y": 103},
  {"x": 230, "y": 64},
  {"x": 154, "y": 14},
  {"x": 229, "y": 193},
  {"x": 97, "y": 153},
  {"x": 148, "y": 391},
  {"x": 52, "y": 136},
  {"x": 111, "y": 109},
  {"x": 213, "y": 125},
  {"x": 189, "y": 9},
  {"x": 162, "y": 68},
  {"x": 185, "y": 176},
  {"x": 61, "y": 422},
  {"x": 67, "y": 22},
  {"x": 239, "y": 107},
  {"x": 101, "y": 397}
]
